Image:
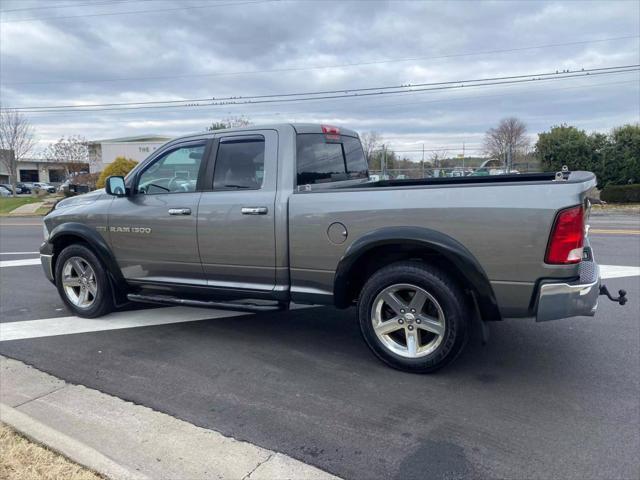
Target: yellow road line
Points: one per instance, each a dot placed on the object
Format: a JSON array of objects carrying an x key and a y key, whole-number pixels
[{"x": 614, "y": 231}]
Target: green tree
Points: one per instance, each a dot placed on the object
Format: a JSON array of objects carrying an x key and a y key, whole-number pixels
[
  {"x": 614, "y": 158},
  {"x": 120, "y": 166},
  {"x": 621, "y": 158},
  {"x": 566, "y": 145}
]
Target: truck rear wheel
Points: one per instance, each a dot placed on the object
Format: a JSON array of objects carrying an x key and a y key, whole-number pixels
[
  {"x": 82, "y": 282},
  {"x": 413, "y": 316}
]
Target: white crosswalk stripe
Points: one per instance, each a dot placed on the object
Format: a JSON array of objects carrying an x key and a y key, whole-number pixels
[
  {"x": 19, "y": 263},
  {"x": 618, "y": 271},
  {"x": 50, "y": 327},
  {"x": 18, "y": 253}
]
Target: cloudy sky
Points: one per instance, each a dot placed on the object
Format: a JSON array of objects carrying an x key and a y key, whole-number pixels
[{"x": 96, "y": 52}]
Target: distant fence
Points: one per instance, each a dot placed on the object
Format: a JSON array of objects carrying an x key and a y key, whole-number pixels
[{"x": 430, "y": 172}]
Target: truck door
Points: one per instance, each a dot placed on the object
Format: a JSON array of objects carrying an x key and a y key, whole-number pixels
[
  {"x": 236, "y": 218},
  {"x": 153, "y": 231}
]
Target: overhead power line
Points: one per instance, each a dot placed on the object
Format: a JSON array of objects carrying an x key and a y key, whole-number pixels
[
  {"x": 321, "y": 67},
  {"x": 133, "y": 12},
  {"x": 334, "y": 94},
  {"x": 74, "y": 5},
  {"x": 372, "y": 105}
]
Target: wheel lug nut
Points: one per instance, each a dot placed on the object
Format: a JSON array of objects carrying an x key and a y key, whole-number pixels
[
  {"x": 402, "y": 310},
  {"x": 418, "y": 320},
  {"x": 410, "y": 327},
  {"x": 413, "y": 310},
  {"x": 401, "y": 321}
]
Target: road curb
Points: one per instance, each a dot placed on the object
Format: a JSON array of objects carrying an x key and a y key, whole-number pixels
[
  {"x": 123, "y": 440},
  {"x": 69, "y": 447}
]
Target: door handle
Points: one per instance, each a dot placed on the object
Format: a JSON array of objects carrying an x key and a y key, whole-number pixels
[
  {"x": 179, "y": 211},
  {"x": 254, "y": 210}
]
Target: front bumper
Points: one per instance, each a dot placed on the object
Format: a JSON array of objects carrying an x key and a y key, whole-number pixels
[
  {"x": 46, "y": 258},
  {"x": 571, "y": 299}
]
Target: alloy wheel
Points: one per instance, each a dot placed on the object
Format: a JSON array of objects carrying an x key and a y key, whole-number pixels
[
  {"x": 79, "y": 282},
  {"x": 408, "y": 320}
]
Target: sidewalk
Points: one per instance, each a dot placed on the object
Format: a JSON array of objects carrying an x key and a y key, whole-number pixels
[
  {"x": 125, "y": 441},
  {"x": 26, "y": 209}
]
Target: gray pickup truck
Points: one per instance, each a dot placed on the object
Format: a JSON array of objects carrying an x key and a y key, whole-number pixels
[{"x": 287, "y": 213}]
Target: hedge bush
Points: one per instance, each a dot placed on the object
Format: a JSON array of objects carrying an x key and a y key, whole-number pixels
[
  {"x": 621, "y": 193},
  {"x": 120, "y": 166}
]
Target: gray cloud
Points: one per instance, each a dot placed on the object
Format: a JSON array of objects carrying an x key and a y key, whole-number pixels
[{"x": 219, "y": 39}]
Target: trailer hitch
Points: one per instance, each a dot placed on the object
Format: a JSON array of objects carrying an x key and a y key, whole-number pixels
[{"x": 621, "y": 298}]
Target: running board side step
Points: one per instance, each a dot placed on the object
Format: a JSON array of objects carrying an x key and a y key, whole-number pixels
[{"x": 169, "y": 300}]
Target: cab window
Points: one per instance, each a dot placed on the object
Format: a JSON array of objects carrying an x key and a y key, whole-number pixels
[
  {"x": 322, "y": 160},
  {"x": 174, "y": 172},
  {"x": 239, "y": 163}
]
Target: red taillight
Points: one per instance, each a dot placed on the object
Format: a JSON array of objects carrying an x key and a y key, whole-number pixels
[
  {"x": 567, "y": 237},
  {"x": 331, "y": 133}
]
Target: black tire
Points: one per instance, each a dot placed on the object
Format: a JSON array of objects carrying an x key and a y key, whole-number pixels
[
  {"x": 453, "y": 305},
  {"x": 102, "y": 302}
]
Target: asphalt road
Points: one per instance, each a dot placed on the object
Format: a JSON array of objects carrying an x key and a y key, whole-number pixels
[{"x": 554, "y": 400}]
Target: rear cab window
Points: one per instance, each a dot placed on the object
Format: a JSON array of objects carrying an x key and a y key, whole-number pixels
[{"x": 324, "y": 158}]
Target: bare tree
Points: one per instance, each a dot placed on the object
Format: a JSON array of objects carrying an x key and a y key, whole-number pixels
[
  {"x": 437, "y": 158},
  {"x": 507, "y": 141},
  {"x": 371, "y": 141},
  {"x": 72, "y": 152},
  {"x": 230, "y": 122},
  {"x": 16, "y": 135}
]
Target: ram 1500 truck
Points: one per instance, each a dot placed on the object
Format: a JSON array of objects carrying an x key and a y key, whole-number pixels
[{"x": 287, "y": 213}]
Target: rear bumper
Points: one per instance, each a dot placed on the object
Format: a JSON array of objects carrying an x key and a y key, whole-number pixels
[{"x": 571, "y": 299}]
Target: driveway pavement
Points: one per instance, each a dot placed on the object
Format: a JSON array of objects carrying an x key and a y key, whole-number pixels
[{"x": 553, "y": 400}]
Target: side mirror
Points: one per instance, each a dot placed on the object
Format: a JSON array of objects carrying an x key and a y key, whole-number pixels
[{"x": 115, "y": 186}]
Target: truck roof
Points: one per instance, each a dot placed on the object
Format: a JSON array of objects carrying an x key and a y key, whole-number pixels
[{"x": 298, "y": 127}]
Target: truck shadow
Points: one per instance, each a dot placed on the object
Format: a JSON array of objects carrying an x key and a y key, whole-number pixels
[{"x": 326, "y": 336}]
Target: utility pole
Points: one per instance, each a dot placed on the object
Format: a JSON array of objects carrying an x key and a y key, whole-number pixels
[
  {"x": 463, "y": 158},
  {"x": 423, "y": 160},
  {"x": 384, "y": 160},
  {"x": 510, "y": 158}
]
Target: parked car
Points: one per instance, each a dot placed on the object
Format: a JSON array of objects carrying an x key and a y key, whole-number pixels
[
  {"x": 282, "y": 213},
  {"x": 64, "y": 185},
  {"x": 44, "y": 186},
  {"x": 8, "y": 187},
  {"x": 25, "y": 187},
  {"x": 5, "y": 192}
]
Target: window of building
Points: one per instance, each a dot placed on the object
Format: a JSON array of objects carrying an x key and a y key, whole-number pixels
[
  {"x": 56, "y": 176},
  {"x": 29, "y": 176}
]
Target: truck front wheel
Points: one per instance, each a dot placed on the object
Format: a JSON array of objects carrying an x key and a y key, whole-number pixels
[
  {"x": 413, "y": 316},
  {"x": 82, "y": 282}
]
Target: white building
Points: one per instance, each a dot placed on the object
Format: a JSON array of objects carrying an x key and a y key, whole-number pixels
[
  {"x": 46, "y": 171},
  {"x": 30, "y": 170},
  {"x": 103, "y": 152}
]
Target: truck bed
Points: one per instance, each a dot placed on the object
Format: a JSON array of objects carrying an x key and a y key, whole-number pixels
[
  {"x": 503, "y": 220},
  {"x": 510, "y": 178}
]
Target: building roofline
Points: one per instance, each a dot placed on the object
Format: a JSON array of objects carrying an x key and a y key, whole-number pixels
[{"x": 136, "y": 138}]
